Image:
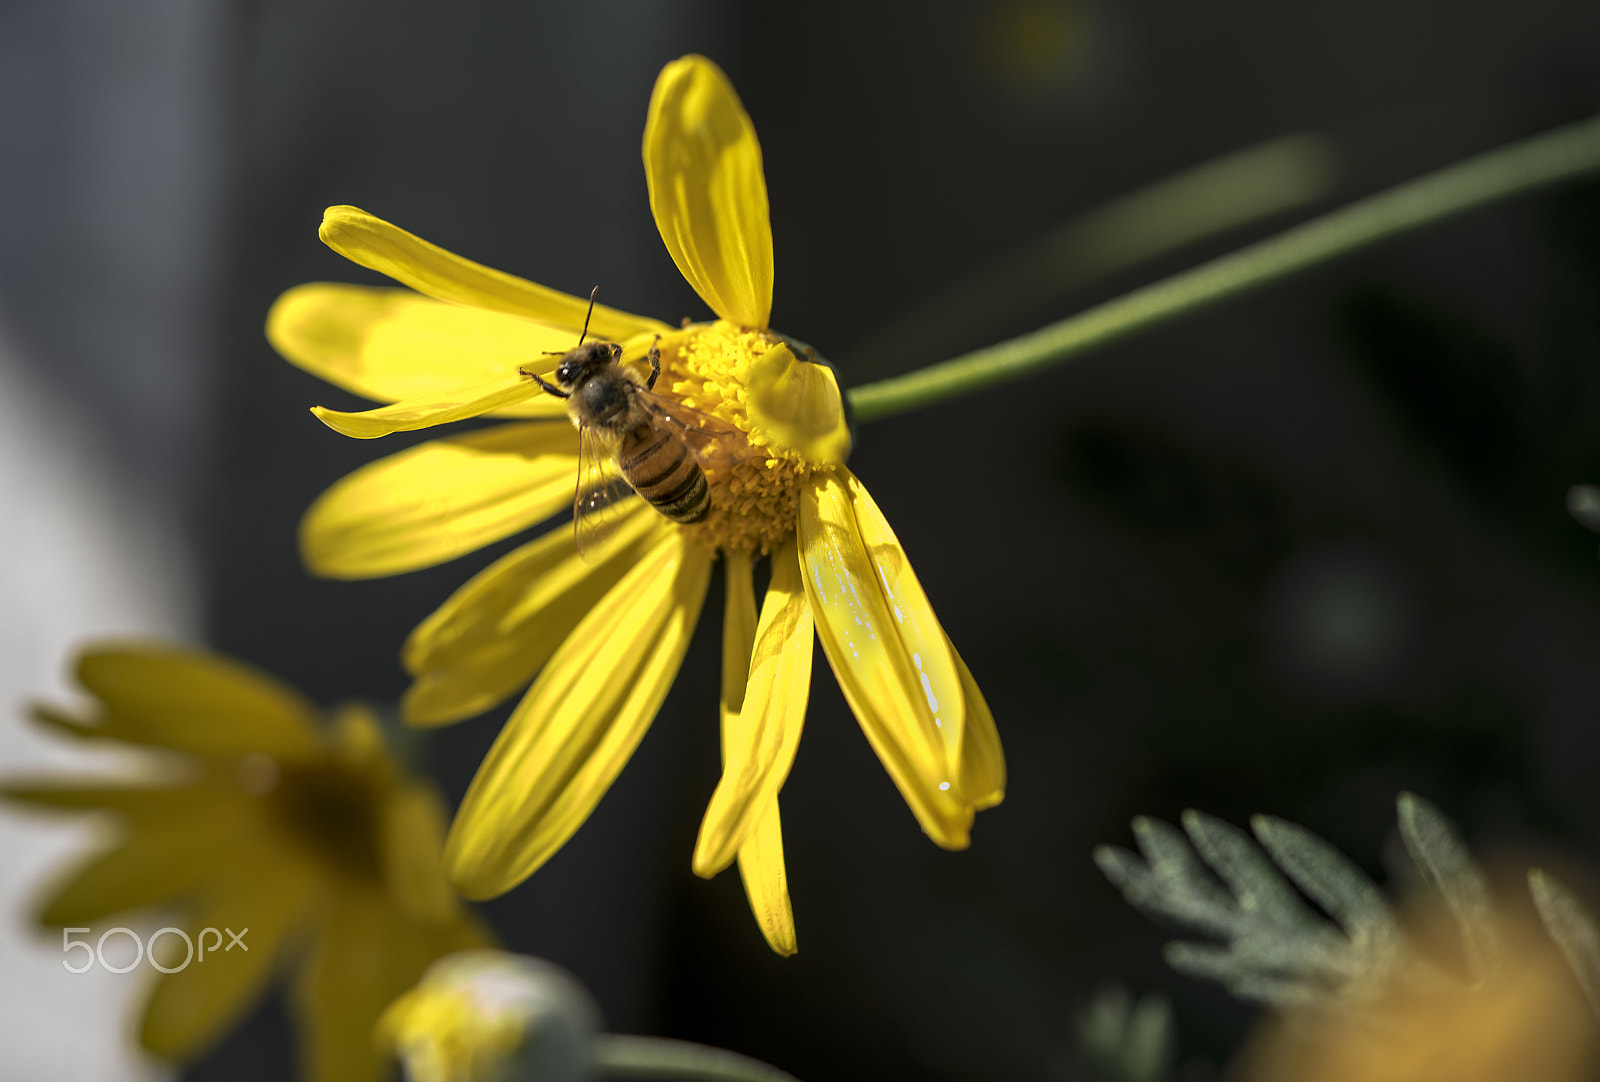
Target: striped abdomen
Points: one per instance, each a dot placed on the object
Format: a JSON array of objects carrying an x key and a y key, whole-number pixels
[{"x": 661, "y": 468}]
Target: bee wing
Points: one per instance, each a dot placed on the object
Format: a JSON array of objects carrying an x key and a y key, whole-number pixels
[
  {"x": 715, "y": 443},
  {"x": 597, "y": 506}
]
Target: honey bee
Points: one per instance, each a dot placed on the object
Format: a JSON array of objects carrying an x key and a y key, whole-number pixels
[{"x": 631, "y": 440}]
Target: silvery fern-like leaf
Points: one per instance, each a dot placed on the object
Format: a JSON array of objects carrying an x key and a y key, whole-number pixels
[
  {"x": 1127, "y": 1041},
  {"x": 1275, "y": 947},
  {"x": 1208, "y": 962},
  {"x": 1573, "y": 928},
  {"x": 1251, "y": 894},
  {"x": 1169, "y": 881},
  {"x": 1212, "y": 878},
  {"x": 1334, "y": 882},
  {"x": 1258, "y": 887},
  {"x": 1447, "y": 866}
]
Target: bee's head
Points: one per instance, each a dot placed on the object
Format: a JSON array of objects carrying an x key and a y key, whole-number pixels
[{"x": 576, "y": 367}]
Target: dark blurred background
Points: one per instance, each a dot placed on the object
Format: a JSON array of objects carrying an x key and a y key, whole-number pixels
[{"x": 1292, "y": 555}]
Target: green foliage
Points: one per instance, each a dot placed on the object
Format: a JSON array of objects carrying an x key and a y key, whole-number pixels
[
  {"x": 1447, "y": 866},
  {"x": 1251, "y": 895},
  {"x": 1566, "y": 153},
  {"x": 1274, "y": 947},
  {"x": 1127, "y": 1041},
  {"x": 1573, "y": 928}
]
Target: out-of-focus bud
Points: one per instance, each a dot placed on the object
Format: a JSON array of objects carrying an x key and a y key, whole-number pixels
[
  {"x": 1525, "y": 1020},
  {"x": 487, "y": 1016}
]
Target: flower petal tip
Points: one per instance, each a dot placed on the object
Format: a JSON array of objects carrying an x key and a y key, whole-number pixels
[
  {"x": 709, "y": 862},
  {"x": 984, "y": 803},
  {"x": 346, "y": 424},
  {"x": 335, "y": 218},
  {"x": 418, "y": 712},
  {"x": 473, "y": 881},
  {"x": 954, "y": 836},
  {"x": 282, "y": 316}
]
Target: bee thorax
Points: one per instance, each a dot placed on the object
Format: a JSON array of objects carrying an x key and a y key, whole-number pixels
[{"x": 604, "y": 403}]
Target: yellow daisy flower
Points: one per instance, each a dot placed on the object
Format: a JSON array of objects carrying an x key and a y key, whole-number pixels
[
  {"x": 605, "y": 635},
  {"x": 307, "y": 841}
]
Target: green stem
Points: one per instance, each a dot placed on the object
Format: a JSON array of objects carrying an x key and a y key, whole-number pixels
[
  {"x": 1186, "y": 208},
  {"x": 622, "y": 1056},
  {"x": 1563, "y": 154}
]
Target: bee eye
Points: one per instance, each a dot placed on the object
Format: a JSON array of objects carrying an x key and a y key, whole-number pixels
[{"x": 616, "y": 351}]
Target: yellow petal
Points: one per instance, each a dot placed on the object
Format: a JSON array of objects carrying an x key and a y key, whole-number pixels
[
  {"x": 738, "y": 634},
  {"x": 917, "y": 628},
  {"x": 496, "y": 631},
  {"x": 197, "y": 702},
  {"x": 191, "y": 1009},
  {"x": 63, "y": 723},
  {"x": 392, "y": 344},
  {"x": 797, "y": 404},
  {"x": 356, "y": 734},
  {"x": 153, "y": 862},
  {"x": 981, "y": 778},
  {"x": 579, "y": 723},
  {"x": 760, "y": 852},
  {"x": 440, "y": 499},
  {"x": 702, "y": 164},
  {"x": 366, "y": 955},
  {"x": 760, "y": 739},
  {"x": 861, "y": 636},
  {"x": 766, "y": 883},
  {"x": 426, "y": 411},
  {"x": 427, "y": 268},
  {"x": 136, "y": 800},
  {"x": 412, "y": 829}
]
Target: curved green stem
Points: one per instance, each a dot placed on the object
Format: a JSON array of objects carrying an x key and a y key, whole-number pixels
[
  {"x": 1199, "y": 203},
  {"x": 621, "y": 1056},
  {"x": 1562, "y": 154}
]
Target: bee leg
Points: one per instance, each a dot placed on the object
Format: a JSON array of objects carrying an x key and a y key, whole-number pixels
[
  {"x": 655, "y": 364},
  {"x": 549, "y": 388}
]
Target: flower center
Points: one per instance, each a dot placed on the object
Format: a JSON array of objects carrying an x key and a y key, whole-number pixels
[
  {"x": 755, "y": 491},
  {"x": 332, "y": 811}
]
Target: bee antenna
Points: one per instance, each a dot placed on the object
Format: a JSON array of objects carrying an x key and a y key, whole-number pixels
[{"x": 587, "y": 314}]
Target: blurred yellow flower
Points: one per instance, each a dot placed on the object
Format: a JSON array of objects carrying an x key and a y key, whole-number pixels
[
  {"x": 310, "y": 837},
  {"x": 609, "y": 633},
  {"x": 1526, "y": 1020}
]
